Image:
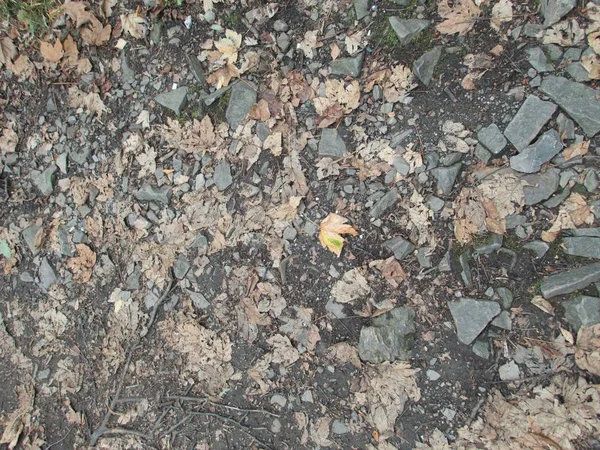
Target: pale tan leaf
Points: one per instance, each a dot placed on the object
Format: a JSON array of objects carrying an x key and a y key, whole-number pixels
[
  {"x": 8, "y": 51},
  {"x": 572, "y": 213},
  {"x": 222, "y": 77},
  {"x": 134, "y": 24},
  {"x": 351, "y": 287},
  {"x": 284, "y": 352},
  {"x": 591, "y": 63},
  {"x": 543, "y": 304},
  {"x": 459, "y": 18},
  {"x": 345, "y": 353},
  {"x": 96, "y": 34},
  {"x": 78, "y": 12},
  {"x": 502, "y": 12},
  {"x": 576, "y": 150},
  {"x": 83, "y": 264},
  {"x": 52, "y": 53},
  {"x": 309, "y": 44},
  {"x": 335, "y": 51},
  {"x": 91, "y": 101},
  {"x": 273, "y": 142},
  {"x": 23, "y": 68},
  {"x": 587, "y": 353}
]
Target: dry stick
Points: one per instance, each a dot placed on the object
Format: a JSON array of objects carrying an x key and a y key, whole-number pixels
[
  {"x": 186, "y": 398},
  {"x": 160, "y": 301},
  {"x": 243, "y": 428}
]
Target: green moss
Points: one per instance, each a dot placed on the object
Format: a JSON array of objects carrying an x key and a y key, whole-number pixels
[
  {"x": 423, "y": 41},
  {"x": 36, "y": 15},
  {"x": 232, "y": 20},
  {"x": 383, "y": 34}
]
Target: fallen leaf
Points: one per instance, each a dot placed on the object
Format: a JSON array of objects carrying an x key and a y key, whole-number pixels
[
  {"x": 284, "y": 352},
  {"x": 91, "y": 102},
  {"x": 319, "y": 432},
  {"x": 573, "y": 212},
  {"x": 591, "y": 63},
  {"x": 345, "y": 353},
  {"x": 23, "y": 68},
  {"x": 576, "y": 150},
  {"x": 566, "y": 34},
  {"x": 351, "y": 287},
  {"x": 222, "y": 77},
  {"x": 96, "y": 34},
  {"x": 497, "y": 50},
  {"x": 144, "y": 119},
  {"x": 331, "y": 230},
  {"x": 309, "y": 44},
  {"x": 77, "y": 11},
  {"x": 327, "y": 167},
  {"x": 106, "y": 7},
  {"x": 9, "y": 139},
  {"x": 390, "y": 269},
  {"x": 8, "y": 51},
  {"x": 82, "y": 264},
  {"x": 273, "y": 142},
  {"x": 52, "y": 53},
  {"x": 543, "y": 304},
  {"x": 260, "y": 111},
  {"x": 502, "y": 12},
  {"x": 468, "y": 82},
  {"x": 587, "y": 353},
  {"x": 134, "y": 24},
  {"x": 335, "y": 51},
  {"x": 459, "y": 18},
  {"x": 354, "y": 42},
  {"x": 229, "y": 46}
]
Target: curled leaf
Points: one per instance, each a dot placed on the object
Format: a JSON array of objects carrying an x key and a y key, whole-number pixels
[{"x": 331, "y": 230}]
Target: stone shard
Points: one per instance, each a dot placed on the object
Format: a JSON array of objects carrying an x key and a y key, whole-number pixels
[
  {"x": 554, "y": 10},
  {"x": 384, "y": 203},
  {"x": 400, "y": 247},
  {"x": 148, "y": 193},
  {"x": 331, "y": 144},
  {"x": 540, "y": 186},
  {"x": 390, "y": 337},
  {"x": 529, "y": 120},
  {"x": 570, "y": 281},
  {"x": 585, "y": 246},
  {"x": 531, "y": 159},
  {"x": 243, "y": 96},
  {"x": 582, "y": 311},
  {"x": 425, "y": 65},
  {"x": 471, "y": 316},
  {"x": 580, "y": 102},
  {"x": 407, "y": 29},
  {"x": 446, "y": 176},
  {"x": 492, "y": 138},
  {"x": 173, "y": 100},
  {"x": 348, "y": 66}
]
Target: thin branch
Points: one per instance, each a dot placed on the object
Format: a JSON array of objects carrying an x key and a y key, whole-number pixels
[
  {"x": 243, "y": 428},
  {"x": 186, "y": 398}
]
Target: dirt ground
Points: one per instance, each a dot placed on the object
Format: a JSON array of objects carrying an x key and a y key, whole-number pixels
[{"x": 209, "y": 319}]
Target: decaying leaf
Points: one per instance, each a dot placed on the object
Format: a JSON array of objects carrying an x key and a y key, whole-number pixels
[
  {"x": 345, "y": 353},
  {"x": 587, "y": 353},
  {"x": 572, "y": 213},
  {"x": 351, "y": 287},
  {"x": 284, "y": 352},
  {"x": 96, "y": 33},
  {"x": 459, "y": 18},
  {"x": 229, "y": 46},
  {"x": 591, "y": 63},
  {"x": 9, "y": 139},
  {"x": 501, "y": 13},
  {"x": 8, "y": 51},
  {"x": 52, "y": 53},
  {"x": 90, "y": 101},
  {"x": 331, "y": 230},
  {"x": 309, "y": 43},
  {"x": 78, "y": 12},
  {"x": 134, "y": 24},
  {"x": 83, "y": 264},
  {"x": 390, "y": 269},
  {"x": 543, "y": 304},
  {"x": 18, "y": 421},
  {"x": 327, "y": 167},
  {"x": 223, "y": 76},
  {"x": 566, "y": 34},
  {"x": 576, "y": 150}
]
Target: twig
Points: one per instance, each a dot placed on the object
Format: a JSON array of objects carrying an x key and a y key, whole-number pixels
[
  {"x": 186, "y": 398},
  {"x": 474, "y": 411},
  {"x": 109, "y": 431},
  {"x": 157, "y": 305},
  {"x": 243, "y": 428},
  {"x": 61, "y": 439}
]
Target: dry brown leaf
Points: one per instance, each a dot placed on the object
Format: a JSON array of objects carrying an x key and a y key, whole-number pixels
[
  {"x": 319, "y": 432},
  {"x": 543, "y": 304},
  {"x": 260, "y": 111},
  {"x": 284, "y": 352},
  {"x": 91, "y": 102},
  {"x": 273, "y": 142},
  {"x": 229, "y": 46},
  {"x": 335, "y": 51},
  {"x": 468, "y": 82},
  {"x": 134, "y": 24},
  {"x": 572, "y": 213},
  {"x": 351, "y": 287},
  {"x": 23, "y": 68},
  {"x": 502, "y": 12},
  {"x": 327, "y": 167},
  {"x": 8, "y": 51},
  {"x": 77, "y": 11},
  {"x": 83, "y": 264},
  {"x": 591, "y": 63},
  {"x": 18, "y": 421},
  {"x": 390, "y": 269},
  {"x": 301, "y": 329},
  {"x": 222, "y": 77},
  {"x": 9, "y": 139},
  {"x": 96, "y": 34},
  {"x": 345, "y": 353},
  {"x": 576, "y": 150},
  {"x": 106, "y": 7},
  {"x": 587, "y": 353},
  {"x": 397, "y": 83},
  {"x": 459, "y": 18},
  {"x": 331, "y": 230},
  {"x": 309, "y": 44},
  {"x": 52, "y": 53}
]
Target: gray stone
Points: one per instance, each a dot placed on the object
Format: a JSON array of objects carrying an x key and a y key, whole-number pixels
[
  {"x": 580, "y": 102},
  {"x": 424, "y": 257},
  {"x": 210, "y": 16},
  {"x": 570, "y": 281},
  {"x": 173, "y": 100},
  {"x": 509, "y": 371},
  {"x": 554, "y": 10},
  {"x": 156, "y": 32},
  {"x": 529, "y": 120},
  {"x": 424, "y": 67},
  {"x": 572, "y": 54},
  {"x": 243, "y": 96},
  {"x": 46, "y": 274},
  {"x": 283, "y": 42},
  {"x": 481, "y": 348},
  {"x": 66, "y": 246},
  {"x": 132, "y": 282},
  {"x": 211, "y": 98},
  {"x": 506, "y": 296},
  {"x": 222, "y": 176},
  {"x": 554, "y": 52},
  {"x": 377, "y": 93},
  {"x": 290, "y": 233},
  {"x": 579, "y": 232},
  {"x": 444, "y": 265},
  {"x": 533, "y": 30},
  {"x": 531, "y": 159},
  {"x": 482, "y": 153},
  {"x": 280, "y": 25},
  {"x": 79, "y": 154},
  {"x": 557, "y": 199},
  {"x": 181, "y": 267},
  {"x": 62, "y": 162},
  {"x": 196, "y": 68},
  {"x": 591, "y": 180},
  {"x": 492, "y": 138},
  {"x": 539, "y": 248},
  {"x": 384, "y": 203},
  {"x": 578, "y": 72},
  {"x": 348, "y": 66},
  {"x": 400, "y": 247},
  {"x": 407, "y": 29},
  {"x": 45, "y": 181},
  {"x": 29, "y": 236},
  {"x": 503, "y": 321},
  {"x": 582, "y": 311},
  {"x": 307, "y": 396},
  {"x": 278, "y": 399},
  {"x": 540, "y": 186},
  {"x": 586, "y": 247},
  {"x": 538, "y": 60},
  {"x": 361, "y": 8},
  {"x": 446, "y": 176},
  {"x": 390, "y": 337},
  {"x": 434, "y": 203},
  {"x": 465, "y": 272},
  {"x": 433, "y": 375},
  {"x": 471, "y": 316},
  {"x": 331, "y": 144},
  {"x": 339, "y": 427},
  {"x": 148, "y": 193},
  {"x": 493, "y": 244},
  {"x": 198, "y": 300}
]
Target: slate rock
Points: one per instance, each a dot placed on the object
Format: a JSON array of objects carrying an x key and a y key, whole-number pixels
[
  {"x": 531, "y": 159},
  {"x": 181, "y": 267},
  {"x": 482, "y": 153},
  {"x": 580, "y": 102},
  {"x": 540, "y": 186},
  {"x": 213, "y": 97},
  {"x": 465, "y": 272},
  {"x": 79, "y": 153},
  {"x": 243, "y": 96},
  {"x": 481, "y": 348},
  {"x": 361, "y": 8},
  {"x": 529, "y": 120},
  {"x": 348, "y": 66},
  {"x": 591, "y": 180},
  {"x": 45, "y": 181},
  {"x": 331, "y": 144},
  {"x": 509, "y": 371},
  {"x": 29, "y": 236},
  {"x": 46, "y": 274},
  {"x": 222, "y": 176},
  {"x": 586, "y": 247},
  {"x": 446, "y": 176},
  {"x": 424, "y": 67},
  {"x": 148, "y": 193},
  {"x": 390, "y": 338},
  {"x": 407, "y": 29},
  {"x": 566, "y": 127},
  {"x": 492, "y": 138},
  {"x": 283, "y": 42},
  {"x": 400, "y": 247},
  {"x": 538, "y": 60},
  {"x": 578, "y": 72},
  {"x": 554, "y": 10},
  {"x": 582, "y": 311},
  {"x": 506, "y": 296},
  {"x": 539, "y": 248},
  {"x": 384, "y": 203},
  {"x": 173, "y": 100},
  {"x": 503, "y": 321},
  {"x": 570, "y": 281},
  {"x": 339, "y": 427},
  {"x": 280, "y": 25},
  {"x": 471, "y": 316},
  {"x": 198, "y": 300}
]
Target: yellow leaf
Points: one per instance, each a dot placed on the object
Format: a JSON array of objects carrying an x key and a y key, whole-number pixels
[{"x": 331, "y": 230}]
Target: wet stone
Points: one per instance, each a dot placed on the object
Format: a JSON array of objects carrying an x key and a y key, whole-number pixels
[
  {"x": 471, "y": 316},
  {"x": 348, "y": 66},
  {"x": 148, "y": 193},
  {"x": 173, "y": 100},
  {"x": 390, "y": 338},
  {"x": 331, "y": 144},
  {"x": 400, "y": 247},
  {"x": 407, "y": 29},
  {"x": 586, "y": 247},
  {"x": 242, "y": 98},
  {"x": 424, "y": 67},
  {"x": 384, "y": 203},
  {"x": 529, "y": 120},
  {"x": 492, "y": 138},
  {"x": 582, "y": 311},
  {"x": 570, "y": 281},
  {"x": 531, "y": 159}
]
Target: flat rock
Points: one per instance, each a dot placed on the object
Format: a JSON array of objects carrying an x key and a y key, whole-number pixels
[
  {"x": 481, "y": 348},
  {"x": 566, "y": 127},
  {"x": 471, "y": 316},
  {"x": 79, "y": 153},
  {"x": 181, "y": 267},
  {"x": 582, "y": 311},
  {"x": 509, "y": 371},
  {"x": 538, "y": 60},
  {"x": 492, "y": 138},
  {"x": 384, "y": 203},
  {"x": 531, "y": 159},
  {"x": 30, "y": 237},
  {"x": 539, "y": 248},
  {"x": 390, "y": 337},
  {"x": 540, "y": 186},
  {"x": 554, "y": 10},
  {"x": 46, "y": 274},
  {"x": 45, "y": 181},
  {"x": 148, "y": 193},
  {"x": 580, "y": 102},
  {"x": 361, "y": 8},
  {"x": 213, "y": 97},
  {"x": 587, "y": 247},
  {"x": 198, "y": 300},
  {"x": 222, "y": 176},
  {"x": 173, "y": 100},
  {"x": 506, "y": 296},
  {"x": 400, "y": 247},
  {"x": 407, "y": 29},
  {"x": 529, "y": 120},
  {"x": 339, "y": 427},
  {"x": 578, "y": 72},
  {"x": 348, "y": 66},
  {"x": 446, "y": 176},
  {"x": 424, "y": 67},
  {"x": 503, "y": 321},
  {"x": 243, "y": 96},
  {"x": 331, "y": 143},
  {"x": 570, "y": 281}
]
